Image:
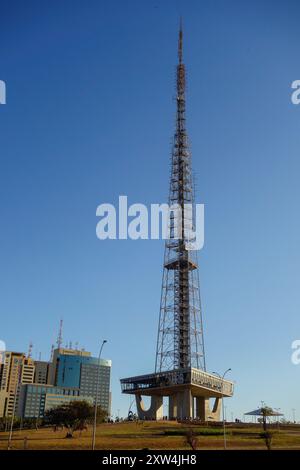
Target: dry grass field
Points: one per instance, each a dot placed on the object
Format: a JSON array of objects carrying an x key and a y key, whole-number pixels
[{"x": 152, "y": 435}]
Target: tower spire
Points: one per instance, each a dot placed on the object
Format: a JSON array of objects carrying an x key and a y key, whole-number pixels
[{"x": 180, "y": 40}]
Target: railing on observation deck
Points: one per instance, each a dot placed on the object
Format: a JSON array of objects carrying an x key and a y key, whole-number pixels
[
  {"x": 177, "y": 377},
  {"x": 211, "y": 381}
]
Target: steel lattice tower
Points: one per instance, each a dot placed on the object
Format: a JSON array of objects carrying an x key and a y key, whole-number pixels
[
  {"x": 180, "y": 371},
  {"x": 180, "y": 343}
]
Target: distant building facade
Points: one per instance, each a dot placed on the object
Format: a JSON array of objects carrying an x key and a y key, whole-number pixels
[
  {"x": 33, "y": 387},
  {"x": 1, "y": 372},
  {"x": 43, "y": 372},
  {"x": 36, "y": 399},
  {"x": 82, "y": 371},
  {"x": 17, "y": 369}
]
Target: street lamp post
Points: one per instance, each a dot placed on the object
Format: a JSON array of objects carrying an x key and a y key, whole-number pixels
[
  {"x": 18, "y": 381},
  {"x": 131, "y": 403},
  {"x": 96, "y": 398},
  {"x": 12, "y": 418},
  {"x": 223, "y": 410}
]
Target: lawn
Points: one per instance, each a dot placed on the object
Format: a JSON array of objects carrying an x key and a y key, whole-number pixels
[{"x": 152, "y": 435}]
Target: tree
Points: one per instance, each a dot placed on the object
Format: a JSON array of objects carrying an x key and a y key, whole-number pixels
[
  {"x": 266, "y": 435},
  {"x": 102, "y": 415},
  {"x": 74, "y": 416},
  {"x": 191, "y": 439},
  {"x": 266, "y": 411}
]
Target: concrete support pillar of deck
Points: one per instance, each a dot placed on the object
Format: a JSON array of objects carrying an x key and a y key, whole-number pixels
[
  {"x": 173, "y": 412},
  {"x": 188, "y": 404},
  {"x": 184, "y": 404},
  {"x": 204, "y": 412},
  {"x": 154, "y": 412}
]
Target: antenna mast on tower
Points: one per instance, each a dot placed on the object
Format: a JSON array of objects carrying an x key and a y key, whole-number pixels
[
  {"x": 59, "y": 337},
  {"x": 52, "y": 353},
  {"x": 29, "y": 354}
]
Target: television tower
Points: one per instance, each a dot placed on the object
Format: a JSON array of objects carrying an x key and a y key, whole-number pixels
[
  {"x": 180, "y": 341},
  {"x": 180, "y": 370}
]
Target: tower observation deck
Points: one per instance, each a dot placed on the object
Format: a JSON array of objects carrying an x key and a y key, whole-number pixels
[{"x": 180, "y": 366}]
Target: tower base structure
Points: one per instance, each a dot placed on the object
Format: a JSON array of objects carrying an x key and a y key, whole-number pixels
[{"x": 189, "y": 392}]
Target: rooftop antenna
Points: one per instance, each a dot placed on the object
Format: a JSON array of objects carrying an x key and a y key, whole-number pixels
[
  {"x": 52, "y": 353},
  {"x": 59, "y": 337},
  {"x": 30, "y": 349},
  {"x": 76, "y": 345},
  {"x": 40, "y": 356}
]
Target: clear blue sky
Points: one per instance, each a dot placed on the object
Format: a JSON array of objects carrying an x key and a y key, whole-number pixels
[{"x": 90, "y": 116}]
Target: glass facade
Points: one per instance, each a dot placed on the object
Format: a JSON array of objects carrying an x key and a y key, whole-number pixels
[
  {"x": 82, "y": 372},
  {"x": 88, "y": 383},
  {"x": 53, "y": 400},
  {"x": 33, "y": 398}
]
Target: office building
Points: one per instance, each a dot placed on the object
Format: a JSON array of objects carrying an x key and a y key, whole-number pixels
[
  {"x": 17, "y": 369},
  {"x": 43, "y": 372},
  {"x": 82, "y": 371},
  {"x": 36, "y": 399},
  {"x": 32, "y": 387},
  {"x": 71, "y": 376}
]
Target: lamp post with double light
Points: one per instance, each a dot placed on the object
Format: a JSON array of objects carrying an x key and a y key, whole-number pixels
[{"x": 222, "y": 397}]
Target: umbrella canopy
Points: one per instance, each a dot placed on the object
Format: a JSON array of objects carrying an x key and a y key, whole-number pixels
[{"x": 263, "y": 412}]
